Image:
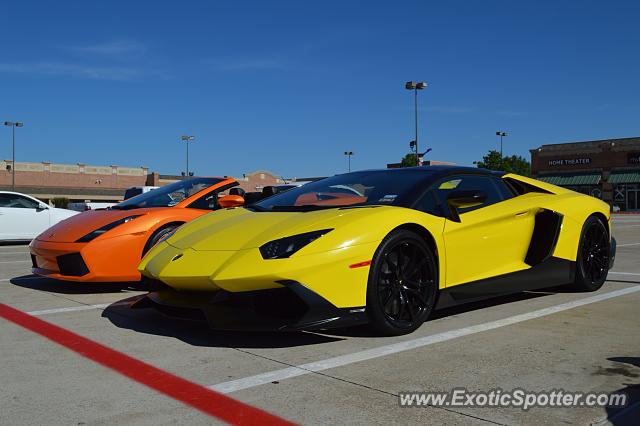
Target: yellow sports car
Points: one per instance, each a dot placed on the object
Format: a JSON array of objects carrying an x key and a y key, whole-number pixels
[{"x": 380, "y": 246}]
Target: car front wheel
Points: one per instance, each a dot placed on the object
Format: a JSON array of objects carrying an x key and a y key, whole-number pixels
[{"x": 403, "y": 284}]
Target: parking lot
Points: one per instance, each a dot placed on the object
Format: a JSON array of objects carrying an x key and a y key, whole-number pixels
[{"x": 537, "y": 341}]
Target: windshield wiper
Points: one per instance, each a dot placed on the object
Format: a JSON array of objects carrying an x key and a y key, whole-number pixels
[
  {"x": 304, "y": 208},
  {"x": 125, "y": 207},
  {"x": 256, "y": 208}
]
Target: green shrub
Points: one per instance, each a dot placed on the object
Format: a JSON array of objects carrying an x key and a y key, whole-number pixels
[{"x": 60, "y": 202}]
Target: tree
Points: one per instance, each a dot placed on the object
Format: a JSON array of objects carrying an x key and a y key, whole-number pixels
[
  {"x": 409, "y": 160},
  {"x": 518, "y": 165},
  {"x": 512, "y": 164},
  {"x": 60, "y": 202}
]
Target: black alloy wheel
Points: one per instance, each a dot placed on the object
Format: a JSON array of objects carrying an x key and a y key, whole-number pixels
[
  {"x": 593, "y": 255},
  {"x": 402, "y": 284}
]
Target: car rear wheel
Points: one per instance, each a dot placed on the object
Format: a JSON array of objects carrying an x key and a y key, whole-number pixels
[
  {"x": 403, "y": 284},
  {"x": 592, "y": 263}
]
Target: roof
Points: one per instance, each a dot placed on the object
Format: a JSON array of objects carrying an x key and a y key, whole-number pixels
[
  {"x": 439, "y": 169},
  {"x": 631, "y": 142},
  {"x": 632, "y": 176}
]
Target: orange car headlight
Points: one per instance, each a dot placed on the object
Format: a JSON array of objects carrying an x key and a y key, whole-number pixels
[{"x": 94, "y": 234}]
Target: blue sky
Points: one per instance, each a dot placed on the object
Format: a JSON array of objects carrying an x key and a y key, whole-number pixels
[{"x": 289, "y": 86}]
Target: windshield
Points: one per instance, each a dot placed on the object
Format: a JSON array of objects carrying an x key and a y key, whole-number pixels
[
  {"x": 380, "y": 187},
  {"x": 168, "y": 196}
]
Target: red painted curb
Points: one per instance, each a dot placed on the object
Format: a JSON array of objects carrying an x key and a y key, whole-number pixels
[{"x": 199, "y": 397}]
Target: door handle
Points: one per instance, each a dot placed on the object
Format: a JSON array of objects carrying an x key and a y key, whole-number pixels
[{"x": 522, "y": 213}]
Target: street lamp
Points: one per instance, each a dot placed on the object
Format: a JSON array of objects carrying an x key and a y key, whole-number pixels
[
  {"x": 415, "y": 86},
  {"x": 187, "y": 139},
  {"x": 13, "y": 125},
  {"x": 501, "y": 134},
  {"x": 349, "y": 154}
]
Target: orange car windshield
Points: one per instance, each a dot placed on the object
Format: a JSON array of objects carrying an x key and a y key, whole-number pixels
[
  {"x": 169, "y": 195},
  {"x": 351, "y": 189}
]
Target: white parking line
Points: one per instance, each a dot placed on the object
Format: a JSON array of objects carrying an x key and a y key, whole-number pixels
[
  {"x": 70, "y": 309},
  {"x": 19, "y": 278},
  {"x": 623, "y": 273},
  {"x": 76, "y": 308},
  {"x": 628, "y": 245},
  {"x": 14, "y": 252},
  {"x": 339, "y": 361},
  {"x": 17, "y": 261}
]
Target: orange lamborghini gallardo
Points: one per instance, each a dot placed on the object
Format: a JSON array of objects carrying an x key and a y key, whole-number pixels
[{"x": 107, "y": 245}]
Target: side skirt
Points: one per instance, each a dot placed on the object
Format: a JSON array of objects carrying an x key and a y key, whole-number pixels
[{"x": 549, "y": 273}]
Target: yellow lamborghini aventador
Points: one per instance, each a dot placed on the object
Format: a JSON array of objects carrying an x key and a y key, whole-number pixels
[{"x": 379, "y": 246}]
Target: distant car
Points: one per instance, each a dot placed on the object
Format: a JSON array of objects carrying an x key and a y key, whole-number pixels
[
  {"x": 89, "y": 205},
  {"x": 137, "y": 190},
  {"x": 106, "y": 245},
  {"x": 23, "y": 217}
]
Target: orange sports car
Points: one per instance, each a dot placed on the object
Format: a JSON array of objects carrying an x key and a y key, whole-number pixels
[{"x": 107, "y": 244}]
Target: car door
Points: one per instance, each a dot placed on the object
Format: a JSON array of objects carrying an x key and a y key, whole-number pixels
[
  {"x": 21, "y": 218},
  {"x": 490, "y": 239}
]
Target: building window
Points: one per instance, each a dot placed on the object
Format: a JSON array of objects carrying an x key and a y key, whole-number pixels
[
  {"x": 626, "y": 197},
  {"x": 593, "y": 190}
]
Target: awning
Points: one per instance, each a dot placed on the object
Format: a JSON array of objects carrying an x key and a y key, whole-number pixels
[
  {"x": 575, "y": 180},
  {"x": 632, "y": 176}
]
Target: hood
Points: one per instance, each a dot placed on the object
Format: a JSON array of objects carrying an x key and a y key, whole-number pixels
[
  {"x": 79, "y": 225},
  {"x": 240, "y": 228}
]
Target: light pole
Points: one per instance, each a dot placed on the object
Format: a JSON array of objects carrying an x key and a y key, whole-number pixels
[
  {"x": 415, "y": 86},
  {"x": 187, "y": 139},
  {"x": 501, "y": 134},
  {"x": 13, "y": 125},
  {"x": 349, "y": 154}
]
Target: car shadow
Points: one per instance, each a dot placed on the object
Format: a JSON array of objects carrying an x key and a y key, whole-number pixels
[
  {"x": 629, "y": 368},
  {"x": 439, "y": 313},
  {"x": 624, "y": 281},
  {"x": 51, "y": 285},
  {"x": 196, "y": 333},
  {"x": 150, "y": 321}
]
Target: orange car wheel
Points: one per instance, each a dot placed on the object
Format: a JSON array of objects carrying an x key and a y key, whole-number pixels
[{"x": 158, "y": 235}]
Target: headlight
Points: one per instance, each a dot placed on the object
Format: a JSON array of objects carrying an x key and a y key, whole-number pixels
[
  {"x": 91, "y": 235},
  {"x": 285, "y": 247}
]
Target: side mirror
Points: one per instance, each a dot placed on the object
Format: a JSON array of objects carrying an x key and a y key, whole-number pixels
[
  {"x": 462, "y": 200},
  {"x": 42, "y": 206},
  {"x": 230, "y": 201}
]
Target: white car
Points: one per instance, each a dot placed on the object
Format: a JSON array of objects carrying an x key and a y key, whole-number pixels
[
  {"x": 89, "y": 205},
  {"x": 22, "y": 218}
]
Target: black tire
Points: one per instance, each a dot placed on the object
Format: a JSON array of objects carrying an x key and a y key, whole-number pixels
[
  {"x": 157, "y": 236},
  {"x": 592, "y": 261},
  {"x": 403, "y": 284},
  {"x": 144, "y": 283}
]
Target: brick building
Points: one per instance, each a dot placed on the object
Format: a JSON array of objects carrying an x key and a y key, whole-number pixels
[
  {"x": 250, "y": 182},
  {"x": 608, "y": 169},
  {"x": 81, "y": 182}
]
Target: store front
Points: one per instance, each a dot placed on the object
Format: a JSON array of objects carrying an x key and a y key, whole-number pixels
[{"x": 606, "y": 169}]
